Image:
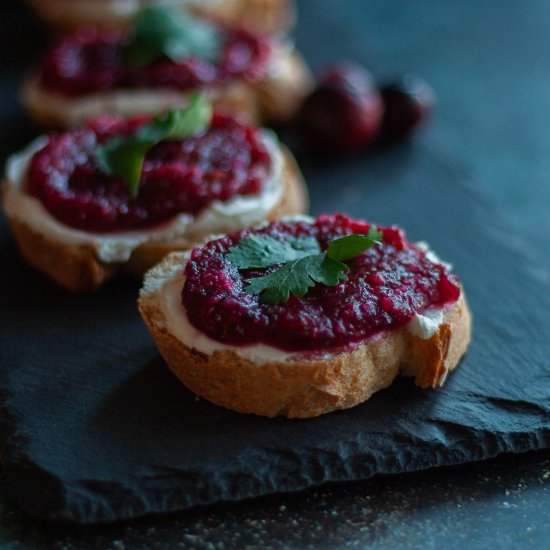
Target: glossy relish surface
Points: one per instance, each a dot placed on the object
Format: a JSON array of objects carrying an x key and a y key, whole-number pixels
[
  {"x": 178, "y": 176},
  {"x": 386, "y": 286},
  {"x": 89, "y": 62}
]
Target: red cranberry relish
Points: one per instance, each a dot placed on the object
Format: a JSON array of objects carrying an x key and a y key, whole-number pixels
[
  {"x": 386, "y": 286},
  {"x": 90, "y": 62},
  {"x": 180, "y": 176}
]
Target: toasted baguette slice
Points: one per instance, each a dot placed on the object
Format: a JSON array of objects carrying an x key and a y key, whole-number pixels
[
  {"x": 303, "y": 388},
  {"x": 257, "y": 16},
  {"x": 276, "y": 99},
  {"x": 78, "y": 269}
]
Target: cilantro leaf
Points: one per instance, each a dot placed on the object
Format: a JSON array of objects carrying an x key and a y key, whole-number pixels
[
  {"x": 297, "y": 277},
  {"x": 303, "y": 264},
  {"x": 162, "y": 32},
  {"x": 183, "y": 123},
  {"x": 351, "y": 246},
  {"x": 124, "y": 156},
  {"x": 259, "y": 251}
]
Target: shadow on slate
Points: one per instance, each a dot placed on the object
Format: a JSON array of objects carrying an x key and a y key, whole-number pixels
[{"x": 97, "y": 428}]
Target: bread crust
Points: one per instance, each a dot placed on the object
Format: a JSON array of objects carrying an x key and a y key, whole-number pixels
[
  {"x": 257, "y": 16},
  {"x": 277, "y": 98},
  {"x": 78, "y": 269},
  {"x": 54, "y": 110},
  {"x": 306, "y": 388}
]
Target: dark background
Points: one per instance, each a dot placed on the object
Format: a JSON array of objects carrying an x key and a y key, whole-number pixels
[{"x": 490, "y": 65}]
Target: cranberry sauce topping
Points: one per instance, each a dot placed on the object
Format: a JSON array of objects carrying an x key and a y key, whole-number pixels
[
  {"x": 386, "y": 286},
  {"x": 180, "y": 176},
  {"x": 90, "y": 62}
]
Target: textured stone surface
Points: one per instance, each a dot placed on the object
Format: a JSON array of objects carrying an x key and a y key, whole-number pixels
[{"x": 497, "y": 503}]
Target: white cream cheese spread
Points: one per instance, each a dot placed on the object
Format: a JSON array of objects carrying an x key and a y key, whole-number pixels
[
  {"x": 179, "y": 326},
  {"x": 425, "y": 325}
]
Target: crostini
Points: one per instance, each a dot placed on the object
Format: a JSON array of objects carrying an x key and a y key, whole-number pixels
[
  {"x": 116, "y": 195},
  {"x": 158, "y": 64},
  {"x": 304, "y": 316}
]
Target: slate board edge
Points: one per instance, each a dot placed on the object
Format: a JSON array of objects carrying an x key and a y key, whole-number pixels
[{"x": 86, "y": 504}]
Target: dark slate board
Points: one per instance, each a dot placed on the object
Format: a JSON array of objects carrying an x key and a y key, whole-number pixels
[{"x": 97, "y": 428}]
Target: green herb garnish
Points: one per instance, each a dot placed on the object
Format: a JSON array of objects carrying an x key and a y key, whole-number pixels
[
  {"x": 259, "y": 251},
  {"x": 162, "y": 32},
  {"x": 303, "y": 263},
  {"x": 124, "y": 156}
]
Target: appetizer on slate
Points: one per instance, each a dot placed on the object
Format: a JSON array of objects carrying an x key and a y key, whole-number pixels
[
  {"x": 303, "y": 316},
  {"x": 258, "y": 16},
  {"x": 155, "y": 66},
  {"x": 117, "y": 195}
]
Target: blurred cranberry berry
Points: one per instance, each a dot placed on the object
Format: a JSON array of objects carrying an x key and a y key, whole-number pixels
[
  {"x": 344, "y": 112},
  {"x": 406, "y": 104}
]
